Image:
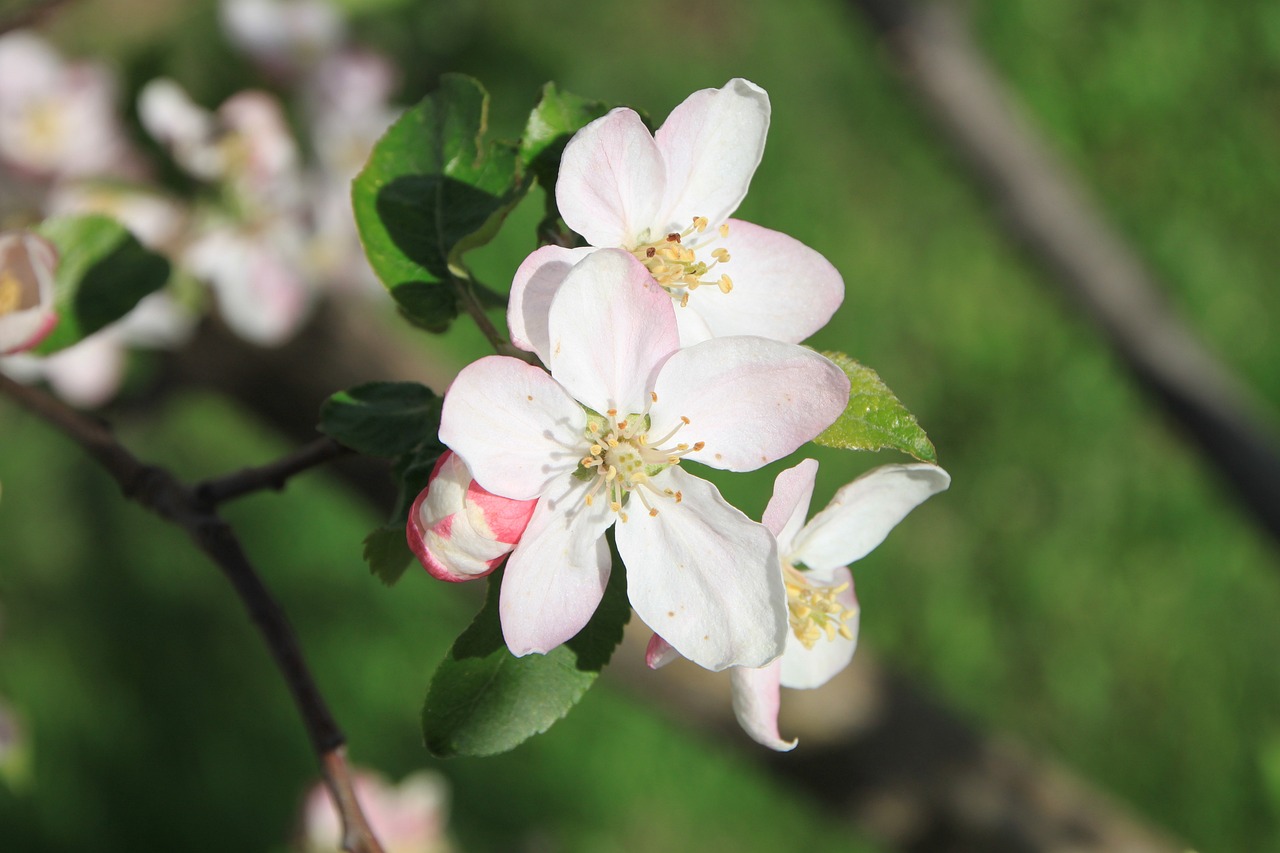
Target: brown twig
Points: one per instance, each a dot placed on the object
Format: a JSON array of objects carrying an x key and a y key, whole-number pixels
[
  {"x": 273, "y": 475},
  {"x": 159, "y": 491}
]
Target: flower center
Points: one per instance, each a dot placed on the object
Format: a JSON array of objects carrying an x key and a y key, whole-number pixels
[
  {"x": 813, "y": 609},
  {"x": 673, "y": 260},
  {"x": 13, "y": 296},
  {"x": 623, "y": 460}
]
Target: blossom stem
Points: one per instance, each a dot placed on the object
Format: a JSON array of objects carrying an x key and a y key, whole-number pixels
[
  {"x": 273, "y": 475},
  {"x": 159, "y": 491}
]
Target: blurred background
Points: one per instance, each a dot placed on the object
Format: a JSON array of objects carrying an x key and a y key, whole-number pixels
[{"x": 1088, "y": 596}]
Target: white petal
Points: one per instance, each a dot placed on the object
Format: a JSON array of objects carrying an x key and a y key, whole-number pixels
[
  {"x": 711, "y": 145},
  {"x": 782, "y": 289},
  {"x": 792, "y": 491},
  {"x": 536, "y": 282},
  {"x": 807, "y": 668},
  {"x": 693, "y": 328},
  {"x": 555, "y": 578},
  {"x": 755, "y": 704},
  {"x": 611, "y": 180},
  {"x": 751, "y": 400},
  {"x": 513, "y": 425},
  {"x": 611, "y": 326},
  {"x": 704, "y": 576},
  {"x": 862, "y": 513}
]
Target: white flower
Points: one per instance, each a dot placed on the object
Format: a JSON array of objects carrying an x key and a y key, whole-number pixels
[
  {"x": 601, "y": 440},
  {"x": 667, "y": 199},
  {"x": 822, "y": 609},
  {"x": 27, "y": 310}
]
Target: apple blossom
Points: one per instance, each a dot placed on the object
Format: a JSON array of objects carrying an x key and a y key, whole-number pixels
[
  {"x": 284, "y": 36},
  {"x": 89, "y": 373},
  {"x": 823, "y": 612},
  {"x": 667, "y": 198},
  {"x": 27, "y": 311},
  {"x": 57, "y": 119},
  {"x": 407, "y": 818},
  {"x": 601, "y": 440},
  {"x": 459, "y": 531}
]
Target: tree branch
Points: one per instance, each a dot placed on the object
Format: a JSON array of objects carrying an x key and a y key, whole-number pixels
[
  {"x": 273, "y": 475},
  {"x": 159, "y": 491}
]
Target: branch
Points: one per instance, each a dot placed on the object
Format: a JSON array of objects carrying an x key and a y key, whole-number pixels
[
  {"x": 273, "y": 475},
  {"x": 1045, "y": 210},
  {"x": 159, "y": 491}
]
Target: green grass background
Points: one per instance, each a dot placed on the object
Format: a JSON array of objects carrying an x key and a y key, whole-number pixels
[{"x": 1087, "y": 584}]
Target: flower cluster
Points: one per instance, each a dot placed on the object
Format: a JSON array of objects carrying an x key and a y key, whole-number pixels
[
  {"x": 671, "y": 337},
  {"x": 268, "y": 231}
]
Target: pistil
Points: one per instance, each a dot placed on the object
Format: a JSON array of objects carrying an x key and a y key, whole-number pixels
[{"x": 623, "y": 460}]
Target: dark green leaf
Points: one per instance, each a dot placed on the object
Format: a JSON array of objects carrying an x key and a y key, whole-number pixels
[
  {"x": 382, "y": 418},
  {"x": 483, "y": 700},
  {"x": 553, "y": 122},
  {"x": 103, "y": 271},
  {"x": 874, "y": 418},
  {"x": 432, "y": 190},
  {"x": 387, "y": 552}
]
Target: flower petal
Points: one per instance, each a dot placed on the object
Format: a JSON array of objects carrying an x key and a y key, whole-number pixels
[
  {"x": 755, "y": 704},
  {"x": 536, "y": 283},
  {"x": 785, "y": 514},
  {"x": 863, "y": 512},
  {"x": 610, "y": 325},
  {"x": 751, "y": 400},
  {"x": 659, "y": 653},
  {"x": 557, "y": 574},
  {"x": 806, "y": 668},
  {"x": 27, "y": 311},
  {"x": 459, "y": 531},
  {"x": 611, "y": 180},
  {"x": 514, "y": 425},
  {"x": 782, "y": 289},
  {"x": 704, "y": 576},
  {"x": 711, "y": 145}
]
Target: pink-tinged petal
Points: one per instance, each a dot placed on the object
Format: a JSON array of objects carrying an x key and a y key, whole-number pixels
[
  {"x": 611, "y": 180},
  {"x": 88, "y": 374},
  {"x": 863, "y": 512},
  {"x": 536, "y": 283},
  {"x": 703, "y": 575},
  {"x": 785, "y": 514},
  {"x": 782, "y": 289},
  {"x": 749, "y": 400},
  {"x": 711, "y": 145},
  {"x": 755, "y": 703},
  {"x": 807, "y": 668},
  {"x": 659, "y": 653},
  {"x": 260, "y": 293},
  {"x": 459, "y": 531},
  {"x": 557, "y": 574},
  {"x": 514, "y": 425},
  {"x": 610, "y": 325},
  {"x": 27, "y": 312},
  {"x": 692, "y": 327}
]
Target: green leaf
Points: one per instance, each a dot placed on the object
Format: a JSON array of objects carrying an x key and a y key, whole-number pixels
[
  {"x": 556, "y": 118},
  {"x": 553, "y": 122},
  {"x": 432, "y": 190},
  {"x": 483, "y": 700},
  {"x": 874, "y": 418},
  {"x": 103, "y": 271},
  {"x": 385, "y": 549},
  {"x": 382, "y": 418},
  {"x": 387, "y": 552}
]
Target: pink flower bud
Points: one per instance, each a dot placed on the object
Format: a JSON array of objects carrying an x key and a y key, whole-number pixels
[
  {"x": 460, "y": 531},
  {"x": 27, "y": 315}
]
